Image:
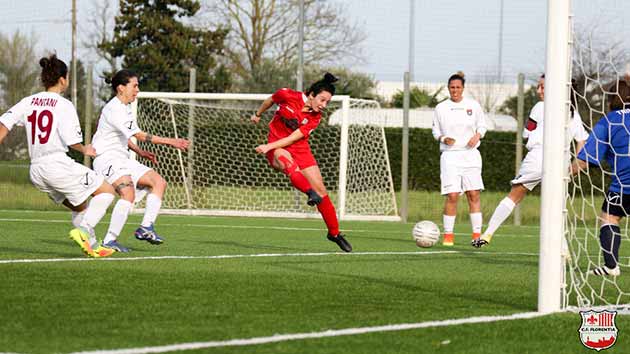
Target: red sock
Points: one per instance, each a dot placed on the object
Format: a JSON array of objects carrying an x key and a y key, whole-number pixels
[
  {"x": 297, "y": 178},
  {"x": 327, "y": 209},
  {"x": 299, "y": 181}
]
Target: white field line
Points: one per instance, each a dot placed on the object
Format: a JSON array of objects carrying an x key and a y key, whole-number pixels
[
  {"x": 315, "y": 335},
  {"x": 257, "y": 227},
  {"x": 257, "y": 255}
]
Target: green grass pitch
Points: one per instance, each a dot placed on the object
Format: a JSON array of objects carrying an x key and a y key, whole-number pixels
[{"x": 220, "y": 279}]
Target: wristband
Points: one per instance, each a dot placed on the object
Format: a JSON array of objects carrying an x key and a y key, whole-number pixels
[{"x": 443, "y": 139}]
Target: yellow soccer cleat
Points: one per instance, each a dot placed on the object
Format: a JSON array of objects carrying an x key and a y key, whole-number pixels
[
  {"x": 81, "y": 237},
  {"x": 100, "y": 252}
]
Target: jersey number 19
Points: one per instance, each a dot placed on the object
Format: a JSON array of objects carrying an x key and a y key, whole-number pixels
[{"x": 42, "y": 123}]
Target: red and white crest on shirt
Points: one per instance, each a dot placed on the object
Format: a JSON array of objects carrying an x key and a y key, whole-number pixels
[
  {"x": 598, "y": 330},
  {"x": 469, "y": 112},
  {"x": 304, "y": 121}
]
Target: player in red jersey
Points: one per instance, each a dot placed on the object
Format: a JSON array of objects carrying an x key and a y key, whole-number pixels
[{"x": 288, "y": 150}]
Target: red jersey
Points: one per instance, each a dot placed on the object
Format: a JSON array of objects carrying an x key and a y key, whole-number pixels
[{"x": 290, "y": 117}]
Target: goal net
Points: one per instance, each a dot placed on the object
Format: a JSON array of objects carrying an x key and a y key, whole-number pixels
[
  {"x": 221, "y": 174},
  {"x": 595, "y": 68}
]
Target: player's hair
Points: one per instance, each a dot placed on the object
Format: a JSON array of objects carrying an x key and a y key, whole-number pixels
[
  {"x": 573, "y": 98},
  {"x": 325, "y": 84},
  {"x": 457, "y": 76},
  {"x": 618, "y": 95},
  {"x": 52, "y": 70},
  {"x": 121, "y": 77}
]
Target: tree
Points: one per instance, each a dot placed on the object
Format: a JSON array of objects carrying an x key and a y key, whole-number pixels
[
  {"x": 510, "y": 105},
  {"x": 156, "y": 44},
  {"x": 598, "y": 59},
  {"x": 417, "y": 98},
  {"x": 263, "y": 30},
  {"x": 19, "y": 77},
  {"x": 19, "y": 68}
]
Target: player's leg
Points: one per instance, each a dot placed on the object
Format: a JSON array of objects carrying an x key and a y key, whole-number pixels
[
  {"x": 448, "y": 218},
  {"x": 613, "y": 209},
  {"x": 124, "y": 187},
  {"x": 326, "y": 207},
  {"x": 502, "y": 212},
  {"x": 474, "y": 207},
  {"x": 281, "y": 160},
  {"x": 154, "y": 182}
]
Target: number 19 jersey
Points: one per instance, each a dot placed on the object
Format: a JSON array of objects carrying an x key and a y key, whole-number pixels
[{"x": 51, "y": 124}]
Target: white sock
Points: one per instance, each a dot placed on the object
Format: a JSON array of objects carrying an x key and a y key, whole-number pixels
[
  {"x": 503, "y": 210},
  {"x": 476, "y": 220},
  {"x": 94, "y": 213},
  {"x": 152, "y": 209},
  {"x": 449, "y": 223},
  {"x": 118, "y": 220},
  {"x": 77, "y": 217}
]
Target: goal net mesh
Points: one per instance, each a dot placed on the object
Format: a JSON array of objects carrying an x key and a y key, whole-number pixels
[
  {"x": 222, "y": 174},
  {"x": 594, "y": 69}
]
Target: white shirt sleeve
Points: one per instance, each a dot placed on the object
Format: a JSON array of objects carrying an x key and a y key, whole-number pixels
[
  {"x": 537, "y": 114},
  {"x": 577, "y": 128},
  {"x": 437, "y": 131},
  {"x": 14, "y": 116},
  {"x": 69, "y": 127},
  {"x": 123, "y": 122},
  {"x": 481, "y": 125}
]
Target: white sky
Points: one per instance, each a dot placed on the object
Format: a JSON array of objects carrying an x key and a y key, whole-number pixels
[{"x": 450, "y": 35}]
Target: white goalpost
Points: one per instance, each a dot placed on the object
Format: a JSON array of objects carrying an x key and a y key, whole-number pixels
[{"x": 221, "y": 174}]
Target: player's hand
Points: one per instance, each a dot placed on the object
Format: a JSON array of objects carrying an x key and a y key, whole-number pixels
[
  {"x": 181, "y": 144},
  {"x": 449, "y": 141},
  {"x": 89, "y": 150},
  {"x": 255, "y": 119},
  {"x": 149, "y": 156},
  {"x": 474, "y": 140},
  {"x": 263, "y": 149}
]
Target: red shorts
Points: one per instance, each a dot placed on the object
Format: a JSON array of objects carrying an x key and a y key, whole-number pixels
[{"x": 302, "y": 157}]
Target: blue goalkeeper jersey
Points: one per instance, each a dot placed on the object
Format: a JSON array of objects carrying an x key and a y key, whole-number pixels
[{"x": 610, "y": 140}]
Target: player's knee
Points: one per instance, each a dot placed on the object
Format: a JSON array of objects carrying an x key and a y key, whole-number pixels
[
  {"x": 126, "y": 191},
  {"x": 289, "y": 166}
]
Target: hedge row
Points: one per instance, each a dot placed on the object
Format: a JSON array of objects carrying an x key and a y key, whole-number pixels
[{"x": 497, "y": 152}]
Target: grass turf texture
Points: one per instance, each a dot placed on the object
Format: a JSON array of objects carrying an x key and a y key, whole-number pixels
[{"x": 103, "y": 304}]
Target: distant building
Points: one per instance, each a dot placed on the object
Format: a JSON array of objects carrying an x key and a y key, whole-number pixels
[
  {"x": 418, "y": 118},
  {"x": 489, "y": 95}
]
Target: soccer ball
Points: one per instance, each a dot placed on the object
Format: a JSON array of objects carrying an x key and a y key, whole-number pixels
[{"x": 426, "y": 234}]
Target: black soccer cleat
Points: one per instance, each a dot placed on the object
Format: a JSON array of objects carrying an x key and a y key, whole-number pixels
[
  {"x": 313, "y": 198},
  {"x": 341, "y": 242}
]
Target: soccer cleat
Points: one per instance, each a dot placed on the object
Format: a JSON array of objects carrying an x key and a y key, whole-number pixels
[
  {"x": 475, "y": 235},
  {"x": 341, "y": 242},
  {"x": 313, "y": 198},
  {"x": 481, "y": 241},
  {"x": 100, "y": 252},
  {"x": 448, "y": 239},
  {"x": 81, "y": 237},
  {"x": 116, "y": 246},
  {"x": 148, "y": 234},
  {"x": 604, "y": 271}
]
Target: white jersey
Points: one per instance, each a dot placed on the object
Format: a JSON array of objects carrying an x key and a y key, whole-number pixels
[
  {"x": 535, "y": 136},
  {"x": 115, "y": 126},
  {"x": 460, "y": 121},
  {"x": 51, "y": 124}
]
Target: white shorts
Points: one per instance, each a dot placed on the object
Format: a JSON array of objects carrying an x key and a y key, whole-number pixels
[
  {"x": 530, "y": 173},
  {"x": 114, "y": 168},
  {"x": 460, "y": 171},
  {"x": 62, "y": 178}
]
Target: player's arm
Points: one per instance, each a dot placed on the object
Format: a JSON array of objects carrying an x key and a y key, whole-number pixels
[
  {"x": 437, "y": 131},
  {"x": 262, "y": 109},
  {"x": 181, "y": 144},
  {"x": 142, "y": 153},
  {"x": 480, "y": 128},
  {"x": 594, "y": 149},
  {"x": 86, "y": 150},
  {"x": 295, "y": 136}
]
